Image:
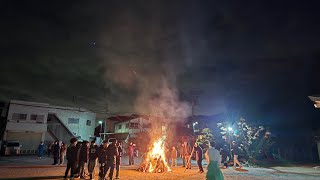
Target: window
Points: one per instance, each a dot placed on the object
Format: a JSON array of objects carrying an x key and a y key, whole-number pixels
[
  {"x": 38, "y": 118},
  {"x": 73, "y": 121},
  {"x": 33, "y": 117},
  {"x": 18, "y": 116},
  {"x": 120, "y": 126},
  {"x": 134, "y": 125},
  {"x": 88, "y": 122}
]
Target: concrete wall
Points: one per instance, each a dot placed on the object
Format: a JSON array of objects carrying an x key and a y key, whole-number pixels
[
  {"x": 131, "y": 131},
  {"x": 81, "y": 129},
  {"x": 31, "y": 132}
]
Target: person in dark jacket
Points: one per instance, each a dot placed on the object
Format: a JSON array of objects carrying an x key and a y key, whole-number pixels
[
  {"x": 77, "y": 171},
  {"x": 198, "y": 150},
  {"x": 93, "y": 155},
  {"x": 40, "y": 150},
  {"x": 56, "y": 153},
  {"x": 118, "y": 159},
  {"x": 224, "y": 151},
  {"x": 83, "y": 158},
  {"x": 71, "y": 158},
  {"x": 102, "y": 157},
  {"x": 109, "y": 154}
]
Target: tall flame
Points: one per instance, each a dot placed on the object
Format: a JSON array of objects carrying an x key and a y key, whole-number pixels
[{"x": 157, "y": 155}]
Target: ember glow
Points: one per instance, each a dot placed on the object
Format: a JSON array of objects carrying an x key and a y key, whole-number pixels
[{"x": 155, "y": 160}]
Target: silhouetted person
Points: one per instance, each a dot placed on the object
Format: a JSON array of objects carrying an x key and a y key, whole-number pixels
[
  {"x": 83, "y": 158},
  {"x": 71, "y": 158},
  {"x": 235, "y": 151},
  {"x": 198, "y": 151},
  {"x": 93, "y": 155},
  {"x": 56, "y": 153},
  {"x": 118, "y": 159}
]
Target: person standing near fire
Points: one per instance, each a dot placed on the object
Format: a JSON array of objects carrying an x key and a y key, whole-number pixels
[
  {"x": 198, "y": 150},
  {"x": 118, "y": 159},
  {"x": 93, "y": 155},
  {"x": 213, "y": 157},
  {"x": 182, "y": 155},
  {"x": 187, "y": 155},
  {"x": 174, "y": 155},
  {"x": 131, "y": 150},
  {"x": 102, "y": 156}
]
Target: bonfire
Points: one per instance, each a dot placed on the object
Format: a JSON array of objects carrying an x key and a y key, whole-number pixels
[{"x": 155, "y": 159}]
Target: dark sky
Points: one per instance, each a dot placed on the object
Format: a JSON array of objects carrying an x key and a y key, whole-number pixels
[{"x": 259, "y": 58}]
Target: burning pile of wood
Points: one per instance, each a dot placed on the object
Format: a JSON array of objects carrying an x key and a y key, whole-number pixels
[{"x": 155, "y": 159}]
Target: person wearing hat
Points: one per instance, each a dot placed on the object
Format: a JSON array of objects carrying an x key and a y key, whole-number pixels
[{"x": 71, "y": 158}]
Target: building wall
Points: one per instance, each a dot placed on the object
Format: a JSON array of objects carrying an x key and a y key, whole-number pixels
[
  {"x": 80, "y": 129},
  {"x": 29, "y": 129},
  {"x": 123, "y": 127}
]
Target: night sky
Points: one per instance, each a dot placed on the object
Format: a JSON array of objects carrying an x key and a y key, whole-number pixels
[{"x": 258, "y": 58}]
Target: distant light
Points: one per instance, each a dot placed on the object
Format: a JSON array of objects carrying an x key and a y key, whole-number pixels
[
  {"x": 100, "y": 122},
  {"x": 196, "y": 122},
  {"x": 230, "y": 128},
  {"x": 315, "y": 105}
]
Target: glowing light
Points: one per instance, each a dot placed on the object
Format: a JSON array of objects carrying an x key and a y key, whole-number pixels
[
  {"x": 100, "y": 122},
  {"x": 155, "y": 155},
  {"x": 230, "y": 128}
]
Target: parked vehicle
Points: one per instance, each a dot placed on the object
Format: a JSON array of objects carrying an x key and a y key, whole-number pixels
[
  {"x": 111, "y": 140},
  {"x": 10, "y": 148}
]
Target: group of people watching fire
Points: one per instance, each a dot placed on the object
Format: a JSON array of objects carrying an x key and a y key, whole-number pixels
[{"x": 84, "y": 154}]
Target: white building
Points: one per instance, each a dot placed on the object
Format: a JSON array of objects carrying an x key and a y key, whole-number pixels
[
  {"x": 132, "y": 125},
  {"x": 32, "y": 122}
]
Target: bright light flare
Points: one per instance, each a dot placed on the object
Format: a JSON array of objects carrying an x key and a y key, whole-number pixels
[{"x": 157, "y": 153}]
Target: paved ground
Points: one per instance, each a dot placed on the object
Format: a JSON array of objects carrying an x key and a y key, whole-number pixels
[{"x": 29, "y": 167}]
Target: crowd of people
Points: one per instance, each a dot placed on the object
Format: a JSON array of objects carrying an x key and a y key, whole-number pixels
[
  {"x": 81, "y": 156},
  {"x": 84, "y": 157}
]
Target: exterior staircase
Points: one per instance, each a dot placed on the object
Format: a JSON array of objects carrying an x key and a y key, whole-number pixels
[{"x": 58, "y": 130}]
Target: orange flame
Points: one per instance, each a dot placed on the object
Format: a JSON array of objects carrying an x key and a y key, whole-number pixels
[{"x": 157, "y": 153}]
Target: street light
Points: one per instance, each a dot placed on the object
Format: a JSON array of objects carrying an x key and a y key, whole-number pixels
[{"x": 100, "y": 122}]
